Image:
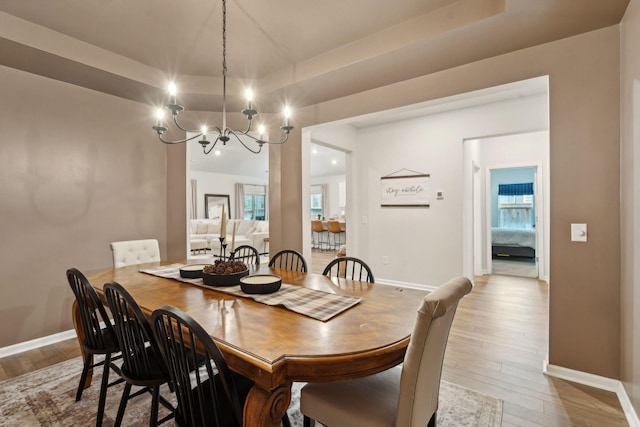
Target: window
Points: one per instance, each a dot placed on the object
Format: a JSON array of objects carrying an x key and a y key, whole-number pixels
[
  {"x": 255, "y": 202},
  {"x": 515, "y": 202},
  {"x": 254, "y": 207},
  {"x": 316, "y": 201}
]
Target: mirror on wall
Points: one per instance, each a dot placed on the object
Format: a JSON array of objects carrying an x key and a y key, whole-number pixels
[{"x": 213, "y": 204}]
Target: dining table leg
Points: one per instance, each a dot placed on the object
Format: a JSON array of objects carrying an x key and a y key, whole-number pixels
[
  {"x": 265, "y": 408},
  {"x": 77, "y": 325}
]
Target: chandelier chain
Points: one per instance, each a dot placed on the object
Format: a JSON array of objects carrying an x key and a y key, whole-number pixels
[
  {"x": 224, "y": 37},
  {"x": 224, "y": 73}
]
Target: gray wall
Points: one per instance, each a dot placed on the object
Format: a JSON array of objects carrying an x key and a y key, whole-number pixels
[{"x": 78, "y": 169}]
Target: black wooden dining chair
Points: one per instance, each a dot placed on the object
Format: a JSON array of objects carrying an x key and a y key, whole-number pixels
[
  {"x": 349, "y": 268},
  {"x": 247, "y": 254},
  {"x": 143, "y": 364},
  {"x": 97, "y": 340},
  {"x": 207, "y": 391},
  {"x": 288, "y": 259}
]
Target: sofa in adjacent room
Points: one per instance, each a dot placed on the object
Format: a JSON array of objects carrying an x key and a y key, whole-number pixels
[{"x": 248, "y": 232}]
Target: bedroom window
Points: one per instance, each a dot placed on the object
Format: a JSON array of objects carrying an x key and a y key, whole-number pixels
[
  {"x": 515, "y": 204},
  {"x": 515, "y": 201}
]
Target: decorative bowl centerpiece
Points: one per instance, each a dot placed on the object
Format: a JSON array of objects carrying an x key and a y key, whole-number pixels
[
  {"x": 260, "y": 284},
  {"x": 224, "y": 273},
  {"x": 193, "y": 271}
]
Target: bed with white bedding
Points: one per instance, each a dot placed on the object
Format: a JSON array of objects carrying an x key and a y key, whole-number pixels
[{"x": 513, "y": 242}]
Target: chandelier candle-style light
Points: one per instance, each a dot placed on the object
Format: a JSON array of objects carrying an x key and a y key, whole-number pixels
[{"x": 224, "y": 133}]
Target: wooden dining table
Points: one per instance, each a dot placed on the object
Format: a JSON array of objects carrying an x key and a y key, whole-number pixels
[{"x": 274, "y": 346}]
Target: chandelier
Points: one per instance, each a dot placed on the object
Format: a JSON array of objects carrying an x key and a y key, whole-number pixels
[{"x": 224, "y": 133}]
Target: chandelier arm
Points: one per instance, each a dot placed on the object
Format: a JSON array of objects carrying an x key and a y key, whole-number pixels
[
  {"x": 216, "y": 128},
  {"x": 180, "y": 141},
  {"x": 233, "y": 132},
  {"x": 286, "y": 137},
  {"x": 257, "y": 140},
  {"x": 212, "y": 146},
  {"x": 246, "y": 132},
  {"x": 199, "y": 132}
]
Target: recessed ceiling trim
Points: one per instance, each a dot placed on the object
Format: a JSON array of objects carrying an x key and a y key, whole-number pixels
[
  {"x": 52, "y": 42},
  {"x": 447, "y": 18}
]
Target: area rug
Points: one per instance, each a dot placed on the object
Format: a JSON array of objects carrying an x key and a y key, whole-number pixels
[{"x": 47, "y": 398}]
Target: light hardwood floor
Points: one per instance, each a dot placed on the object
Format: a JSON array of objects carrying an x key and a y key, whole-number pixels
[
  {"x": 320, "y": 259},
  {"x": 497, "y": 345},
  {"x": 514, "y": 267}
]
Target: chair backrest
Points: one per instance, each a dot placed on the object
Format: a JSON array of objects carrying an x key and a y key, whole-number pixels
[
  {"x": 422, "y": 368},
  {"x": 92, "y": 313},
  {"x": 247, "y": 254},
  {"x": 288, "y": 259},
  {"x": 193, "y": 358},
  {"x": 316, "y": 225},
  {"x": 140, "y": 353},
  {"x": 349, "y": 268},
  {"x": 334, "y": 226},
  {"x": 131, "y": 252}
]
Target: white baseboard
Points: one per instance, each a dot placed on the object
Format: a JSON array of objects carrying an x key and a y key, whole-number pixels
[
  {"x": 596, "y": 381},
  {"x": 36, "y": 343},
  {"x": 405, "y": 284}
]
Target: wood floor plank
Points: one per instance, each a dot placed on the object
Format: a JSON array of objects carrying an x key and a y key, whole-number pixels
[
  {"x": 513, "y": 411},
  {"x": 503, "y": 322}
]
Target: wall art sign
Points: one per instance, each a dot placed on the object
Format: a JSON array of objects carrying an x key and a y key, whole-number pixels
[{"x": 405, "y": 190}]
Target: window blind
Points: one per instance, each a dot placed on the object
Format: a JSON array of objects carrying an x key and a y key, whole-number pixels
[{"x": 515, "y": 189}]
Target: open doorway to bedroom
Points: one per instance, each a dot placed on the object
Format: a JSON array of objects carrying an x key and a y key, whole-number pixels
[
  {"x": 520, "y": 163},
  {"x": 513, "y": 216}
]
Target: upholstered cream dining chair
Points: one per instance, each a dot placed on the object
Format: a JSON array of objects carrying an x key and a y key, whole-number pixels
[
  {"x": 403, "y": 396},
  {"x": 131, "y": 252}
]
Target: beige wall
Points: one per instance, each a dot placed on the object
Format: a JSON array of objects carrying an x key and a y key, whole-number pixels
[
  {"x": 285, "y": 194},
  {"x": 176, "y": 207},
  {"x": 78, "y": 169},
  {"x": 630, "y": 201},
  {"x": 584, "y": 148}
]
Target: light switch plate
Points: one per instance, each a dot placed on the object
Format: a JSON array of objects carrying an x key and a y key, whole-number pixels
[{"x": 578, "y": 232}]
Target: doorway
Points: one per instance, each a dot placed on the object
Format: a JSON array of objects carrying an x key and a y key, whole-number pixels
[
  {"x": 489, "y": 161},
  {"x": 327, "y": 197},
  {"x": 512, "y": 212},
  {"x": 327, "y": 162}
]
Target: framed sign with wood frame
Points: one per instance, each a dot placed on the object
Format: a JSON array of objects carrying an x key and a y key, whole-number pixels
[{"x": 405, "y": 191}]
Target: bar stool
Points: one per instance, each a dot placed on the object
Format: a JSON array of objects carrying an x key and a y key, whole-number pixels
[
  {"x": 317, "y": 232},
  {"x": 333, "y": 227}
]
